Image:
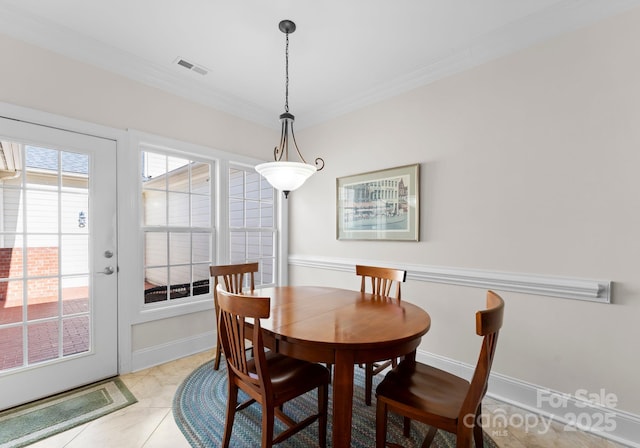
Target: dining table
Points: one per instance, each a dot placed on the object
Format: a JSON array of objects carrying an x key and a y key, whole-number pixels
[{"x": 341, "y": 327}]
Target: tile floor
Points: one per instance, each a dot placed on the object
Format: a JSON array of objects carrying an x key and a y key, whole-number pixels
[{"x": 149, "y": 423}]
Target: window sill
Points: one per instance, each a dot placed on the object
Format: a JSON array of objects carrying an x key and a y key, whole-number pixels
[{"x": 176, "y": 308}]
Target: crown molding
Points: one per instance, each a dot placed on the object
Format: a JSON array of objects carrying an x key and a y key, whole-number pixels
[{"x": 561, "y": 17}]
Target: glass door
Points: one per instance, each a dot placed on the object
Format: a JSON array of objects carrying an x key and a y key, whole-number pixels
[{"x": 58, "y": 269}]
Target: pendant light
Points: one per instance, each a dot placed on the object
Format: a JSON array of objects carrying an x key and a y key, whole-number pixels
[{"x": 282, "y": 174}]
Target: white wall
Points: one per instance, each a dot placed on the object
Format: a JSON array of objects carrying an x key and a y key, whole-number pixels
[{"x": 529, "y": 164}]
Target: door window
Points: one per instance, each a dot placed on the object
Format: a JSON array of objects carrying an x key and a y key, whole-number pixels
[{"x": 44, "y": 255}]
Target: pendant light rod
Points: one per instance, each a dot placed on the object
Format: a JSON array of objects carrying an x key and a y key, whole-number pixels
[
  {"x": 287, "y": 119},
  {"x": 287, "y": 27}
]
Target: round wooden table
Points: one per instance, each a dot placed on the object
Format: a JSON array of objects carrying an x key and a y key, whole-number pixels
[{"x": 344, "y": 328}]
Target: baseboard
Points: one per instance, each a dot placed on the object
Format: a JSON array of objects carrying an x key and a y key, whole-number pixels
[
  {"x": 543, "y": 404},
  {"x": 170, "y": 351}
]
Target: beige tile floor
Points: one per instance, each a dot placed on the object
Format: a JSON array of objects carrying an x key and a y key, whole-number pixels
[{"x": 149, "y": 422}]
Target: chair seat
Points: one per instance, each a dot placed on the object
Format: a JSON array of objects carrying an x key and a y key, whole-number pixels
[
  {"x": 289, "y": 375},
  {"x": 425, "y": 388}
]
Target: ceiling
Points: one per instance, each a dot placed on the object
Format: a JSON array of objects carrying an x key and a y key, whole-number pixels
[{"x": 344, "y": 54}]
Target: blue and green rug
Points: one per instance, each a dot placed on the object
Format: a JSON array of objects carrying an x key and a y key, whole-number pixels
[
  {"x": 199, "y": 408},
  {"x": 26, "y": 424}
]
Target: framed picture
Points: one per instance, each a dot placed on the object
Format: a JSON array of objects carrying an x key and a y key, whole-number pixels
[{"x": 379, "y": 205}]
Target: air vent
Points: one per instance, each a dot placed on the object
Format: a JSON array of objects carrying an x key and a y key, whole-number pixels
[
  {"x": 201, "y": 70},
  {"x": 185, "y": 64}
]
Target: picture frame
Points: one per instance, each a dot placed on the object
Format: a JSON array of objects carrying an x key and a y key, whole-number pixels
[{"x": 379, "y": 205}]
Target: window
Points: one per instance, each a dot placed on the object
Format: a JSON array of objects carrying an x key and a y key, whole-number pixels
[
  {"x": 177, "y": 226},
  {"x": 252, "y": 227},
  {"x": 196, "y": 206}
]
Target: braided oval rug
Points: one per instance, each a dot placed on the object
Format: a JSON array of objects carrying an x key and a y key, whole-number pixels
[{"x": 199, "y": 408}]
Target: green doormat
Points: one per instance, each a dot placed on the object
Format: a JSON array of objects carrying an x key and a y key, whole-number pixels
[{"x": 26, "y": 424}]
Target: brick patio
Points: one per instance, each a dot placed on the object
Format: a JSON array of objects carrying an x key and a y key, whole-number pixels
[{"x": 43, "y": 338}]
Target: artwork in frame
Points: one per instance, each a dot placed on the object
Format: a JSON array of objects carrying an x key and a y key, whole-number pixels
[{"x": 379, "y": 205}]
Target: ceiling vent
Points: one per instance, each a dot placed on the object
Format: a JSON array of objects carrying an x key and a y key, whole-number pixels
[{"x": 201, "y": 70}]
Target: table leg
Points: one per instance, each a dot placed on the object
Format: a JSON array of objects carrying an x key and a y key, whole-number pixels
[{"x": 342, "y": 399}]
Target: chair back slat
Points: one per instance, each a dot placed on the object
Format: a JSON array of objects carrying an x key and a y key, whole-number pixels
[
  {"x": 234, "y": 326},
  {"x": 488, "y": 324},
  {"x": 381, "y": 280},
  {"x": 233, "y": 276},
  {"x": 235, "y": 309}
]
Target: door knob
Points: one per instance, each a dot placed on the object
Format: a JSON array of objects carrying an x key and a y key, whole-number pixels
[{"x": 107, "y": 271}]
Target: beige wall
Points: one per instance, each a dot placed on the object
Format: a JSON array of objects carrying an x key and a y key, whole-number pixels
[{"x": 529, "y": 164}]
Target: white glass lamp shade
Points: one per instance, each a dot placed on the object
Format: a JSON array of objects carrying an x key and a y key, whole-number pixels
[{"x": 286, "y": 176}]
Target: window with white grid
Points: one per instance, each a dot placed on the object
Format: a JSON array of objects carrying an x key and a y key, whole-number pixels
[
  {"x": 252, "y": 225},
  {"x": 177, "y": 226}
]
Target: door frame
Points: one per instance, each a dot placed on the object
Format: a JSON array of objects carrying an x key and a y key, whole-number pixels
[{"x": 12, "y": 111}]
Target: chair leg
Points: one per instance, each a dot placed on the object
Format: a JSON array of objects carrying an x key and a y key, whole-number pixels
[
  {"x": 216, "y": 362},
  {"x": 368, "y": 383},
  {"x": 381, "y": 423},
  {"x": 463, "y": 440},
  {"x": 430, "y": 436},
  {"x": 231, "y": 413},
  {"x": 406, "y": 426},
  {"x": 323, "y": 400},
  {"x": 477, "y": 429},
  {"x": 268, "y": 416}
]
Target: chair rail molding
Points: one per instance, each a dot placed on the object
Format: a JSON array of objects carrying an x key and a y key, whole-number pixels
[{"x": 545, "y": 285}]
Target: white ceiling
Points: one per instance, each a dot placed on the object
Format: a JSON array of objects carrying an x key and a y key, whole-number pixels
[{"x": 345, "y": 54}]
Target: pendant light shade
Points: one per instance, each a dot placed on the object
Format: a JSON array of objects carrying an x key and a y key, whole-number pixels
[
  {"x": 282, "y": 174},
  {"x": 286, "y": 176}
]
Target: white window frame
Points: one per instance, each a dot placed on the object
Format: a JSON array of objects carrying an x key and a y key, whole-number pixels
[{"x": 131, "y": 242}]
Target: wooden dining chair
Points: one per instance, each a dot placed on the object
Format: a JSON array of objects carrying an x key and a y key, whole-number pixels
[
  {"x": 435, "y": 397},
  {"x": 382, "y": 281},
  {"x": 233, "y": 278},
  {"x": 269, "y": 378}
]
